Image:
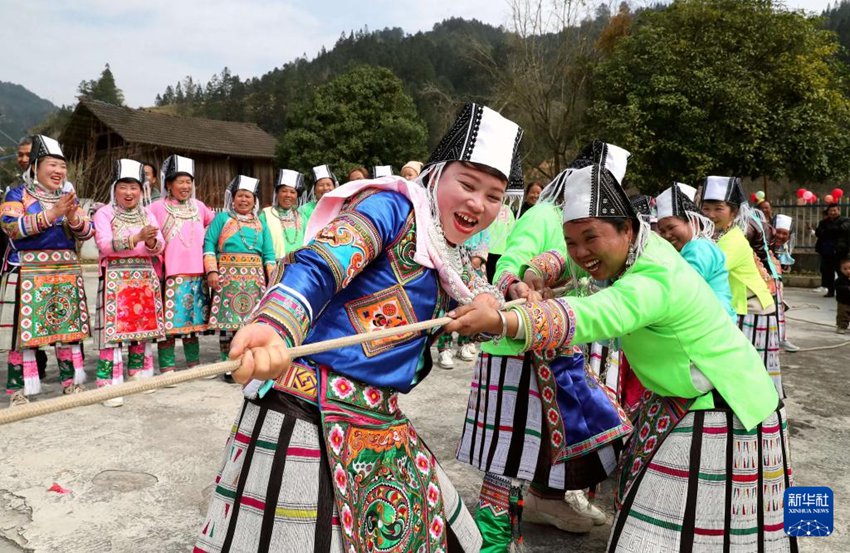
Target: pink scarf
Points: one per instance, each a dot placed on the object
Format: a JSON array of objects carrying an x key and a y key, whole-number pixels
[{"x": 426, "y": 254}]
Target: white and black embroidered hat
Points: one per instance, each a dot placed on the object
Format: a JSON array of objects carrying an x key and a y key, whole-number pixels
[
  {"x": 595, "y": 189},
  {"x": 323, "y": 172},
  {"x": 676, "y": 201},
  {"x": 643, "y": 206},
  {"x": 128, "y": 169},
  {"x": 173, "y": 167},
  {"x": 44, "y": 146},
  {"x": 724, "y": 189},
  {"x": 783, "y": 222},
  {"x": 379, "y": 171},
  {"x": 481, "y": 135},
  {"x": 290, "y": 178},
  {"x": 241, "y": 182}
]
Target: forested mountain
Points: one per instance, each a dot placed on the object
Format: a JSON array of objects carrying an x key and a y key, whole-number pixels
[
  {"x": 837, "y": 18},
  {"x": 20, "y": 109},
  {"x": 436, "y": 67}
]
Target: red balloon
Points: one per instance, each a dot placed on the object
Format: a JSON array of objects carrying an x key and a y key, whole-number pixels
[
  {"x": 837, "y": 193},
  {"x": 753, "y": 198},
  {"x": 801, "y": 192}
]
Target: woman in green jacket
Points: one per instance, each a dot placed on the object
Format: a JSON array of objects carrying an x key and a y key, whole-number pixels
[
  {"x": 282, "y": 218},
  {"x": 708, "y": 464},
  {"x": 323, "y": 182},
  {"x": 514, "y": 431}
]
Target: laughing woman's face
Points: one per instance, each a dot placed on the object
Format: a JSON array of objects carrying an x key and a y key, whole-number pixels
[{"x": 469, "y": 199}]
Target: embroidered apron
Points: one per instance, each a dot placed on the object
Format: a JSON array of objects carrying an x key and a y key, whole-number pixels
[
  {"x": 52, "y": 299},
  {"x": 132, "y": 302},
  {"x": 385, "y": 479},
  {"x": 242, "y": 285}
]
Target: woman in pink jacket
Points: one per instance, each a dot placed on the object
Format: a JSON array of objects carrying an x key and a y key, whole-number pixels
[
  {"x": 183, "y": 220},
  {"x": 129, "y": 302}
]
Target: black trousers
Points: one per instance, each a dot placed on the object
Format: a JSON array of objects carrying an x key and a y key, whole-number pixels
[{"x": 828, "y": 267}]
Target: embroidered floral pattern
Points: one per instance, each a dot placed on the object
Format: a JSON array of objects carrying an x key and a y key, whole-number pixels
[
  {"x": 549, "y": 266},
  {"x": 656, "y": 418},
  {"x": 388, "y": 308},
  {"x": 348, "y": 244},
  {"x": 400, "y": 253},
  {"x": 132, "y": 303},
  {"x": 336, "y": 438},
  {"x": 549, "y": 325},
  {"x": 342, "y": 387},
  {"x": 387, "y": 492}
]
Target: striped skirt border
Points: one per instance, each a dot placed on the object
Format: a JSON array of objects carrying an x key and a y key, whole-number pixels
[
  {"x": 504, "y": 432},
  {"x": 274, "y": 491},
  {"x": 712, "y": 485},
  {"x": 763, "y": 333}
]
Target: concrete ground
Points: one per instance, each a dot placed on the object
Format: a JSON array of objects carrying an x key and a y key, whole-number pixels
[{"x": 139, "y": 477}]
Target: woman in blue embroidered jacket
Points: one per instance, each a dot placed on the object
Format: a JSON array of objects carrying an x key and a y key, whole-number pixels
[
  {"x": 340, "y": 468},
  {"x": 44, "y": 221}
]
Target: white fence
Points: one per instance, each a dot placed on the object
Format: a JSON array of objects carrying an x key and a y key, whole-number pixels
[{"x": 806, "y": 219}]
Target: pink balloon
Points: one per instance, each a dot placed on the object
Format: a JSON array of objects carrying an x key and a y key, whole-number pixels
[
  {"x": 829, "y": 199},
  {"x": 808, "y": 195}
]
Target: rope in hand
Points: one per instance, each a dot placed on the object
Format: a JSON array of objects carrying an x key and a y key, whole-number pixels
[{"x": 90, "y": 397}]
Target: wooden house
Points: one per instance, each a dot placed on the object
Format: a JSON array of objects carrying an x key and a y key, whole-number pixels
[{"x": 99, "y": 133}]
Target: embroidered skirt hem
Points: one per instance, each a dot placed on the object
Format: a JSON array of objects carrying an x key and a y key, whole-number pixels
[{"x": 710, "y": 485}]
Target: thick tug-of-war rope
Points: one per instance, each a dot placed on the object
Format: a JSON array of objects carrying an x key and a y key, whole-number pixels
[{"x": 91, "y": 397}]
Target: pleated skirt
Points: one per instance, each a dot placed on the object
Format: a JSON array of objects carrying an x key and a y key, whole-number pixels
[
  {"x": 711, "y": 485},
  {"x": 504, "y": 432},
  {"x": 274, "y": 491},
  {"x": 763, "y": 333}
]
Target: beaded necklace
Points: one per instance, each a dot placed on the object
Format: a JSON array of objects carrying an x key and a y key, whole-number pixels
[
  {"x": 178, "y": 214},
  {"x": 289, "y": 218},
  {"x": 242, "y": 221},
  {"x": 125, "y": 221}
]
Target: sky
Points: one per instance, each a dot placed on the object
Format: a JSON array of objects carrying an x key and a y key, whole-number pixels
[{"x": 150, "y": 44}]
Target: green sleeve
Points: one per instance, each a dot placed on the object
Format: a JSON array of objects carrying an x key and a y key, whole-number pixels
[
  {"x": 268, "y": 244},
  {"x": 541, "y": 230},
  {"x": 306, "y": 212},
  {"x": 631, "y": 303},
  {"x": 213, "y": 232}
]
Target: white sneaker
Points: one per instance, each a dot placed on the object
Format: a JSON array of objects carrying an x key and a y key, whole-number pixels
[
  {"x": 446, "y": 360},
  {"x": 819, "y": 290},
  {"x": 18, "y": 398},
  {"x": 788, "y": 346},
  {"x": 580, "y": 504},
  {"x": 468, "y": 352},
  {"x": 555, "y": 513}
]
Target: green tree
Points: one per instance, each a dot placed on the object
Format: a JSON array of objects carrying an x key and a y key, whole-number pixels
[
  {"x": 103, "y": 89},
  {"x": 738, "y": 87},
  {"x": 363, "y": 117}
]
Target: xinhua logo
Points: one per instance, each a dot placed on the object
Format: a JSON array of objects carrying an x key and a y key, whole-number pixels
[{"x": 809, "y": 511}]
